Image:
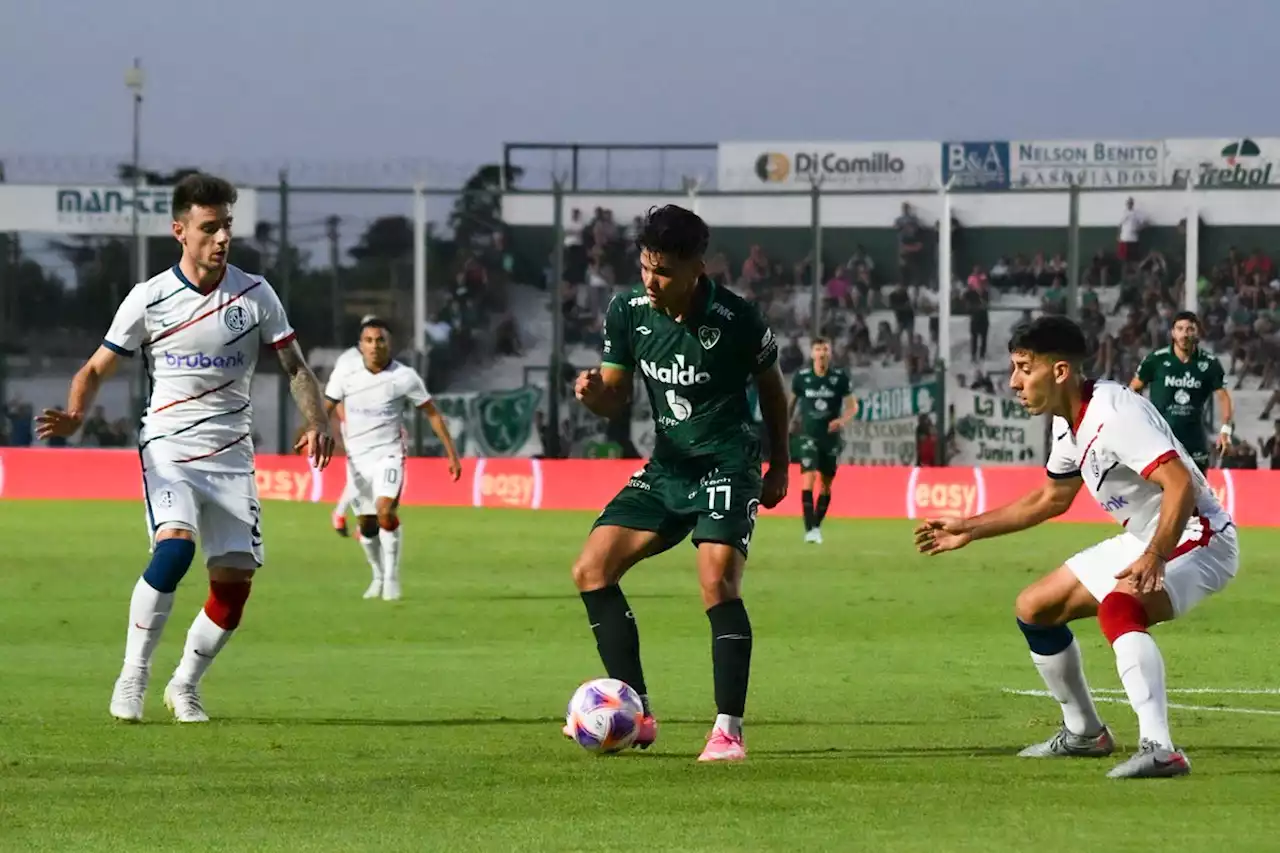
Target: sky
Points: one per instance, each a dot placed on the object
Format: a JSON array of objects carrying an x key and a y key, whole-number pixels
[
  {"x": 441, "y": 85},
  {"x": 448, "y": 82}
]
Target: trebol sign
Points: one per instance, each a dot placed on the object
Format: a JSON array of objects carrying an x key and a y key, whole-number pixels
[{"x": 1242, "y": 163}]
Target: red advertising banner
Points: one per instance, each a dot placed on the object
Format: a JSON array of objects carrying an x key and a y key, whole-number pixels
[{"x": 587, "y": 484}]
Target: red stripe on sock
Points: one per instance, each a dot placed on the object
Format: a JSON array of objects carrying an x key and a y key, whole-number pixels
[
  {"x": 1119, "y": 614},
  {"x": 226, "y": 601}
]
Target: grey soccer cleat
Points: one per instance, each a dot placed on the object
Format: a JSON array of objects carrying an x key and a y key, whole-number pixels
[
  {"x": 1152, "y": 761},
  {"x": 1064, "y": 744}
]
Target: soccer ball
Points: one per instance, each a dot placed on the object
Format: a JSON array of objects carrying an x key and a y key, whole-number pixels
[{"x": 602, "y": 715}]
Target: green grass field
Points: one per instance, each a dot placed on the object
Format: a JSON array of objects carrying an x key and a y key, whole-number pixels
[{"x": 879, "y": 717}]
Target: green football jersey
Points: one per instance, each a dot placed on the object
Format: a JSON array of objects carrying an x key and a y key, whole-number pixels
[
  {"x": 1180, "y": 390},
  {"x": 819, "y": 399},
  {"x": 695, "y": 372}
]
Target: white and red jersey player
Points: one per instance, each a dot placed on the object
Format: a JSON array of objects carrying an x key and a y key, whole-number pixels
[
  {"x": 373, "y": 405},
  {"x": 1118, "y": 441},
  {"x": 196, "y": 442}
]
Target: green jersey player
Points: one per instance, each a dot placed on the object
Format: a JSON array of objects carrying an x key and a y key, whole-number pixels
[
  {"x": 1182, "y": 377},
  {"x": 822, "y": 396},
  {"x": 695, "y": 347}
]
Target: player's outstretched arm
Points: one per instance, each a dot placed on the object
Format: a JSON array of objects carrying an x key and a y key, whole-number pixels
[
  {"x": 84, "y": 390},
  {"x": 775, "y": 414},
  {"x": 441, "y": 429},
  {"x": 935, "y": 536},
  {"x": 1227, "y": 407},
  {"x": 305, "y": 389},
  {"x": 605, "y": 390}
]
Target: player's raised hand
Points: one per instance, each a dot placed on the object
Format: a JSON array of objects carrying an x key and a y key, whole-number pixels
[
  {"x": 1145, "y": 574},
  {"x": 318, "y": 447},
  {"x": 938, "y": 535},
  {"x": 56, "y": 423},
  {"x": 774, "y": 487}
]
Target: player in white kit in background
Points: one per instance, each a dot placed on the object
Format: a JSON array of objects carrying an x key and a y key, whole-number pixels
[
  {"x": 198, "y": 327},
  {"x": 1178, "y": 546},
  {"x": 349, "y": 359},
  {"x": 373, "y": 398}
]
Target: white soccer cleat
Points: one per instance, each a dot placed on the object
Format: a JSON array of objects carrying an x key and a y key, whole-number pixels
[
  {"x": 184, "y": 701},
  {"x": 127, "y": 698},
  {"x": 390, "y": 589},
  {"x": 374, "y": 590},
  {"x": 1064, "y": 744},
  {"x": 812, "y": 536},
  {"x": 817, "y": 536}
]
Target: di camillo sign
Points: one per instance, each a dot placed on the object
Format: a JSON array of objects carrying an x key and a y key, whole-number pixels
[
  {"x": 98, "y": 209},
  {"x": 794, "y": 166}
]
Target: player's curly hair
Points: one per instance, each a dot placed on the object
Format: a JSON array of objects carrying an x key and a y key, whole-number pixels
[
  {"x": 674, "y": 230},
  {"x": 200, "y": 189},
  {"x": 1053, "y": 335}
]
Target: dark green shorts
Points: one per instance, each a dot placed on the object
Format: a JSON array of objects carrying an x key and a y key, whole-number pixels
[
  {"x": 819, "y": 454},
  {"x": 719, "y": 507}
]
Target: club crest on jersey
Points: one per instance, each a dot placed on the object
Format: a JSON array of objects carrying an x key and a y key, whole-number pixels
[
  {"x": 708, "y": 336},
  {"x": 236, "y": 318},
  {"x": 1204, "y": 365}
]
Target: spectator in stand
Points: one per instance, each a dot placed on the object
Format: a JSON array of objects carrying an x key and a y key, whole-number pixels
[
  {"x": 1131, "y": 225},
  {"x": 1259, "y": 265},
  {"x": 575, "y": 254},
  {"x": 1271, "y": 448},
  {"x": 96, "y": 431},
  {"x": 861, "y": 260},
  {"x": 20, "y": 417},
  {"x": 918, "y": 363},
  {"x": 903, "y": 309},
  {"x": 1054, "y": 300},
  {"x": 975, "y": 303},
  {"x": 866, "y": 292},
  {"x": 910, "y": 247},
  {"x": 756, "y": 268},
  {"x": 790, "y": 357},
  {"x": 839, "y": 289},
  {"x": 926, "y": 443},
  {"x": 1000, "y": 275}
]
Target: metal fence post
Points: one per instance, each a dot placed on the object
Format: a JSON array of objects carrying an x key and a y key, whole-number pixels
[
  {"x": 1073, "y": 251},
  {"x": 284, "y": 276},
  {"x": 815, "y": 222},
  {"x": 554, "y": 364}
]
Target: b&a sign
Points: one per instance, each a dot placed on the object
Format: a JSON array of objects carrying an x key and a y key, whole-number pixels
[{"x": 982, "y": 165}]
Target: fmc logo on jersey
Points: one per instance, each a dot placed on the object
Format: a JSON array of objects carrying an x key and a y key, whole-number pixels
[
  {"x": 203, "y": 361},
  {"x": 675, "y": 373}
]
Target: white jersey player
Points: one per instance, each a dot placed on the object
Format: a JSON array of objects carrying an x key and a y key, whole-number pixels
[
  {"x": 1178, "y": 546},
  {"x": 373, "y": 397},
  {"x": 198, "y": 328},
  {"x": 349, "y": 359}
]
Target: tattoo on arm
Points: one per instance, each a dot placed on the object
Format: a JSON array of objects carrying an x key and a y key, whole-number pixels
[{"x": 304, "y": 387}]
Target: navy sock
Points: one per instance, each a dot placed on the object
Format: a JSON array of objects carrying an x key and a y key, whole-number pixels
[
  {"x": 806, "y": 502},
  {"x": 169, "y": 562},
  {"x": 730, "y": 655},
  {"x": 820, "y": 511},
  {"x": 617, "y": 637},
  {"x": 1046, "y": 639}
]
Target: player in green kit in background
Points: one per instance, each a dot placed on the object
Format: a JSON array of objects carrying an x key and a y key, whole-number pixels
[
  {"x": 1182, "y": 378},
  {"x": 695, "y": 346},
  {"x": 823, "y": 397}
]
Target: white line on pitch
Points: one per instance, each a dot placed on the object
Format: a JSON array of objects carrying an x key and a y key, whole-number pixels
[{"x": 1102, "y": 696}]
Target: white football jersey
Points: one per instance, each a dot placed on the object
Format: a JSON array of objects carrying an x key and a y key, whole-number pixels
[
  {"x": 1119, "y": 440},
  {"x": 349, "y": 360},
  {"x": 200, "y": 351},
  {"x": 374, "y": 406}
]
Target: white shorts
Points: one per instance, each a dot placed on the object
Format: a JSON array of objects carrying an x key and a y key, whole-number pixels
[
  {"x": 371, "y": 478},
  {"x": 1204, "y": 562},
  {"x": 221, "y": 509}
]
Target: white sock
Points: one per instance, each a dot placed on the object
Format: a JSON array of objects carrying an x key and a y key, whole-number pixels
[
  {"x": 204, "y": 641},
  {"x": 373, "y": 553},
  {"x": 1063, "y": 674},
  {"x": 1141, "y": 671},
  {"x": 148, "y": 612},
  {"x": 390, "y": 540},
  {"x": 729, "y": 725},
  {"x": 344, "y": 503}
]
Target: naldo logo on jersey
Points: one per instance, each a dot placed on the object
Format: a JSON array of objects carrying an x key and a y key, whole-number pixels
[
  {"x": 1181, "y": 382},
  {"x": 675, "y": 373}
]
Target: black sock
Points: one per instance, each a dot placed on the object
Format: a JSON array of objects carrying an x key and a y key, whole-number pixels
[
  {"x": 806, "y": 501},
  {"x": 821, "y": 511},
  {"x": 730, "y": 655},
  {"x": 617, "y": 638}
]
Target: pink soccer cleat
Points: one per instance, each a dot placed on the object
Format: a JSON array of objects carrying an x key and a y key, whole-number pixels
[
  {"x": 339, "y": 524},
  {"x": 646, "y": 731},
  {"x": 722, "y": 746}
]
